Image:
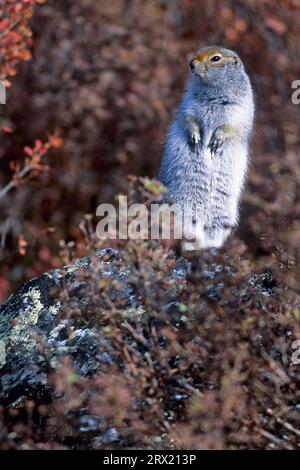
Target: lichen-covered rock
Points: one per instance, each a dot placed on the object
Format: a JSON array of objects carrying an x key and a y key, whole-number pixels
[
  {"x": 36, "y": 337},
  {"x": 36, "y": 331},
  {"x": 132, "y": 347}
]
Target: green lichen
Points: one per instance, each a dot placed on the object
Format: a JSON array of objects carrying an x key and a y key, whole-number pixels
[{"x": 21, "y": 330}]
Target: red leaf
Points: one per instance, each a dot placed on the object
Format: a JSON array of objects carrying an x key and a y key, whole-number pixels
[{"x": 28, "y": 151}]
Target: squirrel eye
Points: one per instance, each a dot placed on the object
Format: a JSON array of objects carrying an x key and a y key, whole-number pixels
[{"x": 216, "y": 58}]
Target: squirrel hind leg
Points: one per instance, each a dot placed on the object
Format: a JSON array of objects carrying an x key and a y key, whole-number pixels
[
  {"x": 193, "y": 236},
  {"x": 199, "y": 237},
  {"x": 217, "y": 237},
  {"x": 191, "y": 245},
  {"x": 206, "y": 241}
]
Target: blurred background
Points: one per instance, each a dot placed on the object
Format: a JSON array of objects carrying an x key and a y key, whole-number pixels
[{"x": 108, "y": 75}]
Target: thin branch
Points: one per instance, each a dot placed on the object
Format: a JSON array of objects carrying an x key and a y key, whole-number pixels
[
  {"x": 287, "y": 426},
  {"x": 10, "y": 28},
  {"x": 275, "y": 440},
  {"x": 13, "y": 183}
]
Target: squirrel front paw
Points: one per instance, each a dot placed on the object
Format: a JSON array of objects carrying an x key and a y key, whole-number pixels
[
  {"x": 195, "y": 136},
  {"x": 193, "y": 131},
  {"x": 217, "y": 140}
]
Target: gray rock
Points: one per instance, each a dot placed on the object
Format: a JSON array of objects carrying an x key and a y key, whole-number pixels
[
  {"x": 36, "y": 331},
  {"x": 36, "y": 337}
]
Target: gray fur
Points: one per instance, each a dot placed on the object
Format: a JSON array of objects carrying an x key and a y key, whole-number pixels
[{"x": 206, "y": 154}]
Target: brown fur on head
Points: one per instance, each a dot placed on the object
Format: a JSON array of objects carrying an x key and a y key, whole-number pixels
[{"x": 213, "y": 56}]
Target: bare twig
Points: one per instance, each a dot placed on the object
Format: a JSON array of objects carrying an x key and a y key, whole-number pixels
[
  {"x": 273, "y": 438},
  {"x": 10, "y": 28},
  {"x": 287, "y": 426},
  {"x": 13, "y": 183}
]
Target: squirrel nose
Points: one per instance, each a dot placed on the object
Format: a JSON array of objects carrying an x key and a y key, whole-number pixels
[{"x": 192, "y": 65}]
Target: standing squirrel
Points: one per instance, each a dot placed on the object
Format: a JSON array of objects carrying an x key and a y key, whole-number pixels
[{"x": 205, "y": 159}]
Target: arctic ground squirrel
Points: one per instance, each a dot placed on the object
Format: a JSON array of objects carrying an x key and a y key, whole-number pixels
[{"x": 205, "y": 160}]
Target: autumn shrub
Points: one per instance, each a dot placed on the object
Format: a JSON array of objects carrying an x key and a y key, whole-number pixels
[{"x": 198, "y": 353}]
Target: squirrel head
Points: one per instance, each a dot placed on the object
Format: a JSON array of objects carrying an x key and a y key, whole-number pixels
[{"x": 216, "y": 66}]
